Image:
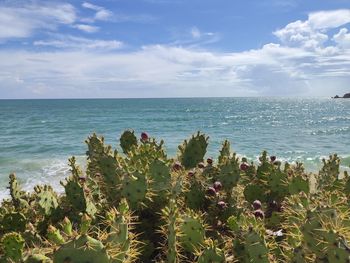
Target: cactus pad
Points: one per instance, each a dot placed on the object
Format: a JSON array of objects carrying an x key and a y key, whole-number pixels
[
  {"x": 128, "y": 140},
  {"x": 192, "y": 152}
]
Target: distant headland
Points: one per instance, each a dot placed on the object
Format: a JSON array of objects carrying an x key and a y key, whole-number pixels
[{"x": 346, "y": 96}]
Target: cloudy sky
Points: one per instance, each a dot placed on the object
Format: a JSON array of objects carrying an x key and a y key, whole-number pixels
[{"x": 174, "y": 48}]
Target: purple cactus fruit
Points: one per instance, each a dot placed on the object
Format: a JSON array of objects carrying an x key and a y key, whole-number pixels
[
  {"x": 190, "y": 173},
  {"x": 201, "y": 165},
  {"x": 257, "y": 205},
  {"x": 82, "y": 179},
  {"x": 210, "y": 161},
  {"x": 211, "y": 191},
  {"x": 221, "y": 204},
  {"x": 144, "y": 136},
  {"x": 273, "y": 158},
  {"x": 217, "y": 185},
  {"x": 259, "y": 214},
  {"x": 244, "y": 166},
  {"x": 177, "y": 166}
]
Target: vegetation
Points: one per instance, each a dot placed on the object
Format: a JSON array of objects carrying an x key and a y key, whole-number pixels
[{"x": 141, "y": 206}]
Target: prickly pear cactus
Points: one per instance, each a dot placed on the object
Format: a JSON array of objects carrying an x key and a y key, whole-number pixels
[
  {"x": 46, "y": 198},
  {"x": 159, "y": 174},
  {"x": 134, "y": 189},
  {"x": 13, "y": 244},
  {"x": 229, "y": 173},
  {"x": 225, "y": 151},
  {"x": 298, "y": 184},
  {"x": 195, "y": 196},
  {"x": 128, "y": 140},
  {"x": 13, "y": 221},
  {"x": 192, "y": 152},
  {"x": 37, "y": 258},
  {"x": 82, "y": 249},
  {"x": 17, "y": 195},
  {"x": 254, "y": 192},
  {"x": 192, "y": 232},
  {"x": 211, "y": 253},
  {"x": 75, "y": 193},
  {"x": 54, "y": 235},
  {"x": 256, "y": 247},
  {"x": 119, "y": 238},
  {"x": 170, "y": 215}
]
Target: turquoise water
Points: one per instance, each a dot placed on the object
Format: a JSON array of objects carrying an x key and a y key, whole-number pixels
[{"x": 38, "y": 136}]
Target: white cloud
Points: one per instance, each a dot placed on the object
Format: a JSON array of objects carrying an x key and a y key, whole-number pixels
[
  {"x": 101, "y": 12},
  {"x": 329, "y": 19},
  {"x": 159, "y": 71},
  {"x": 342, "y": 38},
  {"x": 311, "y": 33},
  {"x": 79, "y": 43},
  {"x": 86, "y": 28},
  {"x": 22, "y": 21}
]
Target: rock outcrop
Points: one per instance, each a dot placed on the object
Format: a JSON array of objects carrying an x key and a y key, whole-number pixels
[{"x": 346, "y": 96}]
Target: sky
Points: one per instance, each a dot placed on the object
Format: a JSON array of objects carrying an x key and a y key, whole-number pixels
[{"x": 174, "y": 48}]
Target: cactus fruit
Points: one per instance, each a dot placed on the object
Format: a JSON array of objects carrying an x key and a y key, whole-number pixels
[
  {"x": 128, "y": 140},
  {"x": 192, "y": 152},
  {"x": 13, "y": 244},
  {"x": 82, "y": 249},
  {"x": 67, "y": 226},
  {"x": 54, "y": 235}
]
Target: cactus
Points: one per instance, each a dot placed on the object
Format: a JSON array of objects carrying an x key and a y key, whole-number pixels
[
  {"x": 128, "y": 140},
  {"x": 192, "y": 232},
  {"x": 54, "y": 235},
  {"x": 82, "y": 249},
  {"x": 17, "y": 195},
  {"x": 13, "y": 245},
  {"x": 119, "y": 237},
  {"x": 170, "y": 231},
  {"x": 37, "y": 258},
  {"x": 229, "y": 173},
  {"x": 143, "y": 207},
  {"x": 211, "y": 253},
  {"x": 13, "y": 221},
  {"x": 192, "y": 152},
  {"x": 134, "y": 189},
  {"x": 225, "y": 151},
  {"x": 46, "y": 198}
]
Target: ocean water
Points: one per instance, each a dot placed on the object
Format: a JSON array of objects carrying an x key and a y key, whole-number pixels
[{"x": 38, "y": 136}]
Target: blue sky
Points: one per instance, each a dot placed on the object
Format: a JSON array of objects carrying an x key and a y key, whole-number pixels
[{"x": 174, "y": 48}]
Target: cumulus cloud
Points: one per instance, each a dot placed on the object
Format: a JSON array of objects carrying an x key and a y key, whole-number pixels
[
  {"x": 22, "y": 21},
  {"x": 312, "y": 57},
  {"x": 311, "y": 33},
  {"x": 173, "y": 71},
  {"x": 342, "y": 38}
]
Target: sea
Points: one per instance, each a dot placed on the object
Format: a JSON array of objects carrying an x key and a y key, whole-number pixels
[{"x": 38, "y": 136}]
